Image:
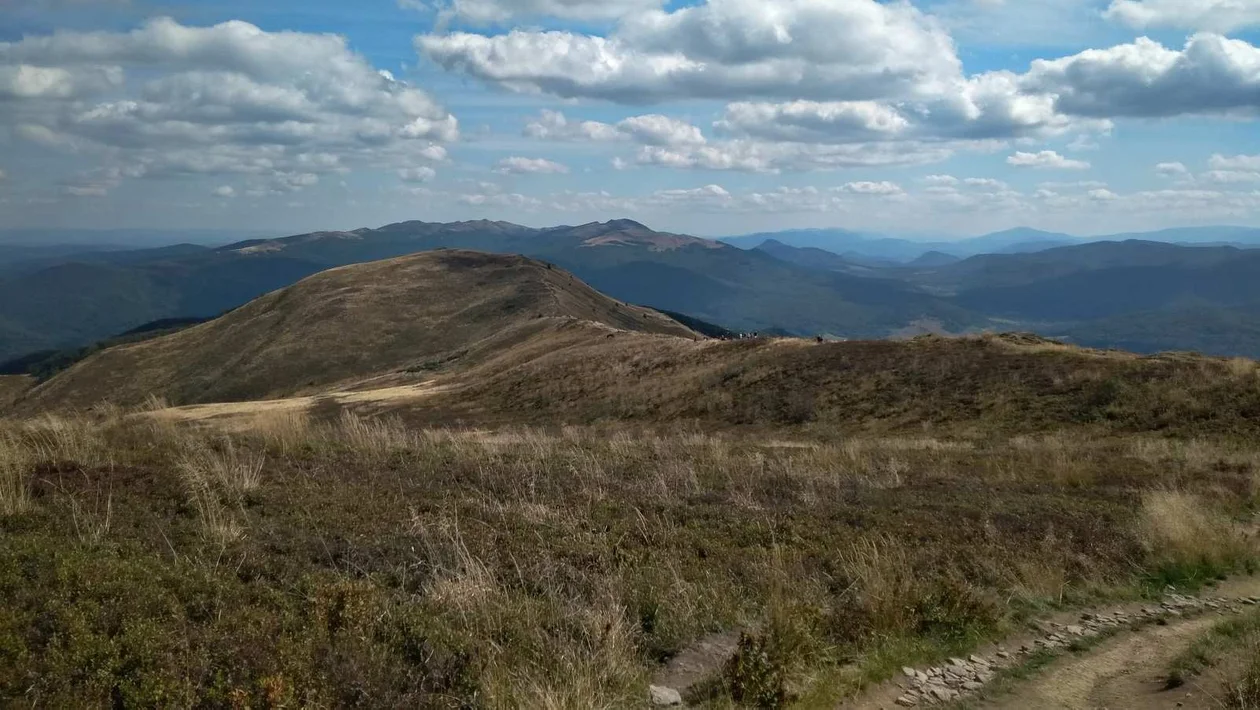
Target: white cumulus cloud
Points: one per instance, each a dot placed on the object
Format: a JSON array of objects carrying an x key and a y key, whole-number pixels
[
  {"x": 1173, "y": 169},
  {"x": 765, "y": 157},
  {"x": 1226, "y": 177},
  {"x": 827, "y": 49},
  {"x": 554, "y": 125},
  {"x": 422, "y": 173},
  {"x": 1210, "y": 75},
  {"x": 1215, "y": 15},
  {"x": 1046, "y": 159},
  {"x": 498, "y": 11},
  {"x": 524, "y": 166},
  {"x": 165, "y": 99},
  {"x": 1234, "y": 162},
  {"x": 883, "y": 187}
]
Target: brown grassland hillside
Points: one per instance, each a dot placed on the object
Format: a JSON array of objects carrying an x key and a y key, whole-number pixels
[
  {"x": 976, "y": 385},
  {"x": 562, "y": 507},
  {"x": 12, "y": 387},
  {"x": 345, "y": 325}
]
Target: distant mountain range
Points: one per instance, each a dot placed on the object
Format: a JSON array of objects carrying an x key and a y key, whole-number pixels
[
  {"x": 115, "y": 239},
  {"x": 865, "y": 247},
  {"x": 1142, "y": 295},
  {"x": 74, "y": 301}
]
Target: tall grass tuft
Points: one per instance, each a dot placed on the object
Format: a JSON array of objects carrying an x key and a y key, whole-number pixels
[
  {"x": 600, "y": 669},
  {"x": 884, "y": 583},
  {"x": 15, "y": 461},
  {"x": 92, "y": 523},
  {"x": 229, "y": 467},
  {"x": 373, "y": 440},
  {"x": 1244, "y": 693},
  {"x": 1188, "y": 540},
  {"x": 153, "y": 403},
  {"x": 283, "y": 432},
  {"x": 77, "y": 440},
  {"x": 218, "y": 521},
  {"x": 213, "y": 474}
]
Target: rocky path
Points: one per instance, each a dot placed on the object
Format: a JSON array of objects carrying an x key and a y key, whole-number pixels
[{"x": 1126, "y": 669}]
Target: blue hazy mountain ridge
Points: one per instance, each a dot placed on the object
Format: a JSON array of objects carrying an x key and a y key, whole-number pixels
[
  {"x": 879, "y": 247},
  {"x": 122, "y": 238},
  {"x": 1060, "y": 291},
  {"x": 88, "y": 298},
  {"x": 814, "y": 258},
  {"x": 934, "y": 259},
  {"x": 868, "y": 246}
]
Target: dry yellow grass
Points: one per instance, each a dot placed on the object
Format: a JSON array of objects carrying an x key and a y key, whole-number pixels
[
  {"x": 15, "y": 461},
  {"x": 884, "y": 581},
  {"x": 1182, "y": 529},
  {"x": 375, "y": 438},
  {"x": 74, "y": 438},
  {"x": 1243, "y": 692},
  {"x": 282, "y": 431},
  {"x": 216, "y": 475},
  {"x": 227, "y": 465}
]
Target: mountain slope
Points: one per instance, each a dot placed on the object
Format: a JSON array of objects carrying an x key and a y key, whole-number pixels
[
  {"x": 82, "y": 301},
  {"x": 12, "y": 387},
  {"x": 927, "y": 384},
  {"x": 1134, "y": 295},
  {"x": 1004, "y": 270},
  {"x": 349, "y": 324},
  {"x": 934, "y": 259},
  {"x": 1019, "y": 240},
  {"x": 78, "y": 303},
  {"x": 1104, "y": 293},
  {"x": 812, "y": 258},
  {"x": 1247, "y": 236},
  {"x": 1205, "y": 329},
  {"x": 743, "y": 290}
]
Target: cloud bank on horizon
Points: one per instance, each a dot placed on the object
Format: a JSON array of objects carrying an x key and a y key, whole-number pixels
[{"x": 709, "y": 116}]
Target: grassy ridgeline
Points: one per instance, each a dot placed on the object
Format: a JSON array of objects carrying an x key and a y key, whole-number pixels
[{"x": 360, "y": 562}]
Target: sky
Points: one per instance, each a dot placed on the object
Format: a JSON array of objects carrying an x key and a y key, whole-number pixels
[{"x": 927, "y": 117}]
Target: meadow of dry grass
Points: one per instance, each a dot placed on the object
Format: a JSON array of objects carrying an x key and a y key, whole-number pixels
[
  {"x": 929, "y": 386},
  {"x": 359, "y": 562}
]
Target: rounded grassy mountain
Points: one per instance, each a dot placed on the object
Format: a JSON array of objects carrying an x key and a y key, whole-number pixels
[{"x": 349, "y": 324}]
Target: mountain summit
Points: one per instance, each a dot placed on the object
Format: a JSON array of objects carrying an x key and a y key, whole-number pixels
[{"x": 341, "y": 326}]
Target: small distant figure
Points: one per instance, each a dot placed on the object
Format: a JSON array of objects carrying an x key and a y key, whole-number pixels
[{"x": 818, "y": 339}]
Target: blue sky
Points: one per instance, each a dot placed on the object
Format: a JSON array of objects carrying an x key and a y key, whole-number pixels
[{"x": 942, "y": 117}]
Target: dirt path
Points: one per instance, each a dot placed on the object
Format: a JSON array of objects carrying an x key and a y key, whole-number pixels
[
  {"x": 239, "y": 416},
  {"x": 1127, "y": 671}
]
